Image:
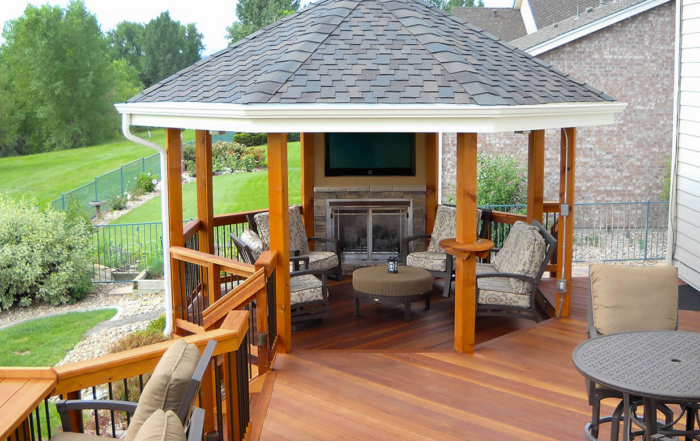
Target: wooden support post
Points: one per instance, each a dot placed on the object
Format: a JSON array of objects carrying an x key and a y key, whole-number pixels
[
  {"x": 465, "y": 272},
  {"x": 75, "y": 416},
  {"x": 205, "y": 209},
  {"x": 307, "y": 183},
  {"x": 432, "y": 165},
  {"x": 567, "y": 181},
  {"x": 535, "y": 176},
  {"x": 173, "y": 145},
  {"x": 279, "y": 232}
]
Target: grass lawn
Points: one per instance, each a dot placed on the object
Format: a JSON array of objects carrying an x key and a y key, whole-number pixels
[
  {"x": 232, "y": 193},
  {"x": 45, "y": 341},
  {"x": 46, "y": 175}
]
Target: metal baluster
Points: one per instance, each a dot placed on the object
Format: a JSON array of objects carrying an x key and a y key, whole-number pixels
[
  {"x": 97, "y": 416},
  {"x": 126, "y": 398},
  {"x": 111, "y": 412}
]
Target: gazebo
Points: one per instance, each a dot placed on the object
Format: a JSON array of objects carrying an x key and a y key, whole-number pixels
[{"x": 344, "y": 66}]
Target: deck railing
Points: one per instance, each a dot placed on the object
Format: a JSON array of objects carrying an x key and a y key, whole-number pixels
[{"x": 123, "y": 375}]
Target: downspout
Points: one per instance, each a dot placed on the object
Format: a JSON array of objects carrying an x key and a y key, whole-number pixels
[{"x": 165, "y": 216}]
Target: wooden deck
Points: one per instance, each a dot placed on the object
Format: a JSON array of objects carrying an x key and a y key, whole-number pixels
[{"x": 521, "y": 385}]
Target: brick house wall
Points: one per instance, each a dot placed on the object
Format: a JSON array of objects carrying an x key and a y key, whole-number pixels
[{"x": 632, "y": 61}]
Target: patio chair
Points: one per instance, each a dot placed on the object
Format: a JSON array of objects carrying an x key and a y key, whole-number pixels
[
  {"x": 328, "y": 261},
  {"x": 308, "y": 293},
  {"x": 624, "y": 299},
  {"x": 435, "y": 259},
  {"x": 174, "y": 385},
  {"x": 510, "y": 285}
]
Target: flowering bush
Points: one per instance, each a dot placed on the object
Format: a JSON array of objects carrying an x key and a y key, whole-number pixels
[
  {"x": 44, "y": 255},
  {"x": 118, "y": 202},
  {"x": 501, "y": 181},
  {"x": 144, "y": 183}
]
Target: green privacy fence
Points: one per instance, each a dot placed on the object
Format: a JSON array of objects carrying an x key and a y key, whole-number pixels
[
  {"x": 614, "y": 231},
  {"x": 109, "y": 185}
]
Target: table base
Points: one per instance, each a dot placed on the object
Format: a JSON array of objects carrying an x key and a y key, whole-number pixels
[{"x": 393, "y": 300}]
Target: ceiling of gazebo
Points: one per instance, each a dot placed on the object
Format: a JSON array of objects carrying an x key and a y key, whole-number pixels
[{"x": 355, "y": 56}]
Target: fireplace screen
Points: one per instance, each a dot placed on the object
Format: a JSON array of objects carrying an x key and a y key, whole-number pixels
[{"x": 369, "y": 230}]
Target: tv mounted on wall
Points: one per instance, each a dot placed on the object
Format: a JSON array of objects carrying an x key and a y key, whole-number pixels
[{"x": 370, "y": 154}]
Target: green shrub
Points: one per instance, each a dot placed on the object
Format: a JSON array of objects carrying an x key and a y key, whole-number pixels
[
  {"x": 44, "y": 255},
  {"x": 118, "y": 202},
  {"x": 250, "y": 139},
  {"x": 293, "y": 137},
  {"x": 157, "y": 325},
  {"x": 500, "y": 181},
  {"x": 155, "y": 269},
  {"x": 144, "y": 183}
]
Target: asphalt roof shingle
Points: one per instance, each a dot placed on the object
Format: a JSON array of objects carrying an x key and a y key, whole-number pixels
[
  {"x": 371, "y": 51},
  {"x": 505, "y": 23}
]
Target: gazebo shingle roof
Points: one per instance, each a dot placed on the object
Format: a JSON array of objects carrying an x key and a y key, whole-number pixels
[{"x": 371, "y": 51}]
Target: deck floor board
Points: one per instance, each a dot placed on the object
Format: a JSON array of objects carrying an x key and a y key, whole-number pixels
[{"x": 395, "y": 381}]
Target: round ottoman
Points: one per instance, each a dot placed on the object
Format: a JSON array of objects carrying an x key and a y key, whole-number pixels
[{"x": 408, "y": 285}]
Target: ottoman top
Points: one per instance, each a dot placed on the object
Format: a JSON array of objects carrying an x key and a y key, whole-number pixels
[{"x": 376, "y": 280}]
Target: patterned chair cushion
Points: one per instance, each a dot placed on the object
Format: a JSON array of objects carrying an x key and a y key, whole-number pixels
[
  {"x": 305, "y": 289},
  {"x": 446, "y": 226},
  {"x": 256, "y": 245},
  {"x": 297, "y": 234},
  {"x": 318, "y": 260},
  {"x": 521, "y": 254},
  {"x": 428, "y": 260},
  {"x": 498, "y": 290}
]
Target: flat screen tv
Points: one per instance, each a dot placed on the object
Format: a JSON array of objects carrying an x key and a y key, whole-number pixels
[{"x": 370, "y": 154}]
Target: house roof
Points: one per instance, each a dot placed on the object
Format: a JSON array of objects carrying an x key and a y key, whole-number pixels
[
  {"x": 504, "y": 23},
  {"x": 371, "y": 52},
  {"x": 548, "y": 12},
  {"x": 587, "y": 22}
]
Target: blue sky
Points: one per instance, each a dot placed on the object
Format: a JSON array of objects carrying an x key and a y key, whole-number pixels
[{"x": 211, "y": 16}]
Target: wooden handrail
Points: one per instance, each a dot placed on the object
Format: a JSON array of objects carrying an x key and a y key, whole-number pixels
[
  {"x": 267, "y": 260},
  {"x": 203, "y": 259},
  {"x": 190, "y": 229},
  {"x": 134, "y": 362},
  {"x": 551, "y": 207},
  {"x": 507, "y": 218},
  {"x": 240, "y": 296},
  {"x": 239, "y": 218},
  {"x": 24, "y": 389}
]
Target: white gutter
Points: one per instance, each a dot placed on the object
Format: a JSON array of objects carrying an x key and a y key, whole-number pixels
[
  {"x": 126, "y": 130},
  {"x": 671, "y": 238}
]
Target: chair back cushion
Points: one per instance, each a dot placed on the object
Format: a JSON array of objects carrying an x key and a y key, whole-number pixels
[
  {"x": 627, "y": 298},
  {"x": 167, "y": 386},
  {"x": 162, "y": 426},
  {"x": 256, "y": 245},
  {"x": 297, "y": 233},
  {"x": 445, "y": 227},
  {"x": 522, "y": 253}
]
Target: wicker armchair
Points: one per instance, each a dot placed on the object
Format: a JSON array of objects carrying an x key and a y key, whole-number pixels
[{"x": 434, "y": 259}]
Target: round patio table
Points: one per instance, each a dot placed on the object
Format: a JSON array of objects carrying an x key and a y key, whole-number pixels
[{"x": 653, "y": 365}]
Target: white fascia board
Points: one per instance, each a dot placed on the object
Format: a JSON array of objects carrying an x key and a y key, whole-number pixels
[
  {"x": 528, "y": 17},
  {"x": 326, "y": 118},
  {"x": 593, "y": 26}
]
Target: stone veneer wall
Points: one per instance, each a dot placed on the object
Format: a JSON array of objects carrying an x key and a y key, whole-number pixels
[
  {"x": 632, "y": 61},
  {"x": 414, "y": 193}
]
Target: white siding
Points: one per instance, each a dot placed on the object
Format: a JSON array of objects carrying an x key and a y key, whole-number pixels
[{"x": 686, "y": 210}]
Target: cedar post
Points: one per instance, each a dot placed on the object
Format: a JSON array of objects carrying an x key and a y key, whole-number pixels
[
  {"x": 307, "y": 184},
  {"x": 279, "y": 232},
  {"x": 173, "y": 145},
  {"x": 535, "y": 176},
  {"x": 205, "y": 205},
  {"x": 432, "y": 165},
  {"x": 566, "y": 187},
  {"x": 465, "y": 272}
]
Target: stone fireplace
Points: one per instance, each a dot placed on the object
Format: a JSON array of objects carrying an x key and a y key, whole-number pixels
[{"x": 370, "y": 222}]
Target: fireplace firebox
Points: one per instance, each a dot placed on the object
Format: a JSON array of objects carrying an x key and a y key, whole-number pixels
[{"x": 369, "y": 230}]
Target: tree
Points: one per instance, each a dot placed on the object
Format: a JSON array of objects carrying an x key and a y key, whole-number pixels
[
  {"x": 448, "y": 5},
  {"x": 256, "y": 14},
  {"x": 125, "y": 42},
  {"x": 59, "y": 77},
  {"x": 168, "y": 47},
  {"x": 126, "y": 81}
]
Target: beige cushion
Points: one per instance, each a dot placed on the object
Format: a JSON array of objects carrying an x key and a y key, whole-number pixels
[
  {"x": 318, "y": 260},
  {"x": 522, "y": 254},
  {"x": 497, "y": 290},
  {"x": 71, "y": 436},
  {"x": 428, "y": 260},
  {"x": 167, "y": 386},
  {"x": 305, "y": 289},
  {"x": 297, "y": 233},
  {"x": 256, "y": 245},
  {"x": 162, "y": 426},
  {"x": 629, "y": 298},
  {"x": 445, "y": 227}
]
